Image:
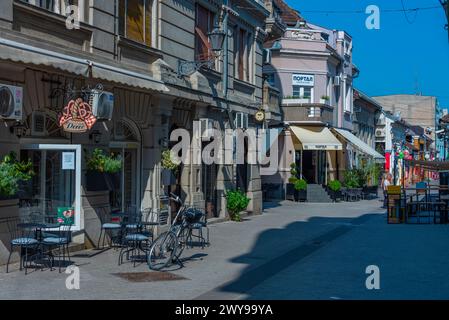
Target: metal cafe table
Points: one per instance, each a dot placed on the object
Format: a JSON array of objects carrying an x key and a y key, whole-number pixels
[{"x": 39, "y": 229}]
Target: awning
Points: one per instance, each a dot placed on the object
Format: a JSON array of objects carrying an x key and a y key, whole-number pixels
[
  {"x": 23, "y": 53},
  {"x": 360, "y": 145},
  {"x": 316, "y": 138}
]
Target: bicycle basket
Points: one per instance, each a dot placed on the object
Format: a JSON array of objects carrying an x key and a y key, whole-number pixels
[{"x": 192, "y": 215}]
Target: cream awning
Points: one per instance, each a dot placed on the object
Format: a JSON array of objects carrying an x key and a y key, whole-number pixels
[
  {"x": 24, "y": 53},
  {"x": 360, "y": 145},
  {"x": 316, "y": 138}
]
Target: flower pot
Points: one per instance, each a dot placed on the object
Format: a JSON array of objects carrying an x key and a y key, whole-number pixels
[
  {"x": 167, "y": 177},
  {"x": 301, "y": 195},
  {"x": 96, "y": 181},
  {"x": 290, "y": 192},
  {"x": 335, "y": 195},
  {"x": 25, "y": 189}
]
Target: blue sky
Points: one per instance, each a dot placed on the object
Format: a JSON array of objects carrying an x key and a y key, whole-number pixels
[{"x": 399, "y": 57}]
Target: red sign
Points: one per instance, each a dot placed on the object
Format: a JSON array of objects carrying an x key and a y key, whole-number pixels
[
  {"x": 387, "y": 161},
  {"x": 77, "y": 116}
]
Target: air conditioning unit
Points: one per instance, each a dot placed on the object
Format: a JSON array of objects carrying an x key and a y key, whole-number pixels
[
  {"x": 337, "y": 81},
  {"x": 11, "y": 101},
  {"x": 266, "y": 56},
  {"x": 38, "y": 124},
  {"x": 206, "y": 125},
  {"x": 380, "y": 133},
  {"x": 102, "y": 103},
  {"x": 241, "y": 120}
]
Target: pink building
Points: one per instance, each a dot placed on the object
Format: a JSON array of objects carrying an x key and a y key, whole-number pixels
[{"x": 312, "y": 67}]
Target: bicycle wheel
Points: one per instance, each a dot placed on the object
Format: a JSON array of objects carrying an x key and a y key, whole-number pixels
[
  {"x": 161, "y": 251},
  {"x": 183, "y": 237}
]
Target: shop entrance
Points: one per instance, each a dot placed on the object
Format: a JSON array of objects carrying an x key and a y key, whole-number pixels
[
  {"x": 124, "y": 195},
  {"x": 314, "y": 166},
  {"x": 56, "y": 185}
]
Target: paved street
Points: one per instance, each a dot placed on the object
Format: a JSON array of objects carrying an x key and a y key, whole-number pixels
[{"x": 292, "y": 251}]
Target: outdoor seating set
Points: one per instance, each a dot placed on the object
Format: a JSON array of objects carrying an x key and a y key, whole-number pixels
[
  {"x": 38, "y": 239},
  {"x": 133, "y": 232},
  {"x": 422, "y": 204},
  {"x": 43, "y": 241}
]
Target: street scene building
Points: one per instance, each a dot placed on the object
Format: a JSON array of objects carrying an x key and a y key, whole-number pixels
[{"x": 111, "y": 111}]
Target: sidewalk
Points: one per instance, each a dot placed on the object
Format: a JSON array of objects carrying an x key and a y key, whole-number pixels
[{"x": 287, "y": 231}]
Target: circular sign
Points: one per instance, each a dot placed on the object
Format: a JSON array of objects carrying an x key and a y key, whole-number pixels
[{"x": 260, "y": 116}]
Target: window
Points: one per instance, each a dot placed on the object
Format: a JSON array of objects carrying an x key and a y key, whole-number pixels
[
  {"x": 270, "y": 79},
  {"x": 60, "y": 6},
  {"x": 302, "y": 92},
  {"x": 135, "y": 20},
  {"x": 243, "y": 41},
  {"x": 203, "y": 25}
]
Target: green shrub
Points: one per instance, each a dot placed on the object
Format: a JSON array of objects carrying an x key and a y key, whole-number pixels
[
  {"x": 167, "y": 161},
  {"x": 101, "y": 162},
  {"x": 351, "y": 179},
  {"x": 300, "y": 184},
  {"x": 237, "y": 202},
  {"x": 335, "y": 185},
  {"x": 12, "y": 172},
  {"x": 292, "y": 180}
]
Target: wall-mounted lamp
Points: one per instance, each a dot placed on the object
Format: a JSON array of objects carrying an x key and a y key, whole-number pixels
[
  {"x": 18, "y": 129},
  {"x": 95, "y": 136}
]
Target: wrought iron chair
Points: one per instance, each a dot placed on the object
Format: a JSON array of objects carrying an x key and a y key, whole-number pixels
[
  {"x": 21, "y": 237},
  {"x": 136, "y": 238},
  {"x": 60, "y": 238},
  {"x": 107, "y": 226},
  {"x": 197, "y": 222}
]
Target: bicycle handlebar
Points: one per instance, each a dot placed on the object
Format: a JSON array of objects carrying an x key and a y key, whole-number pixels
[{"x": 174, "y": 197}]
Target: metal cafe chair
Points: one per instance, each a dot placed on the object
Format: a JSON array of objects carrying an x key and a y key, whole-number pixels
[
  {"x": 107, "y": 226},
  {"x": 22, "y": 238},
  {"x": 136, "y": 238},
  {"x": 197, "y": 222},
  {"x": 60, "y": 239}
]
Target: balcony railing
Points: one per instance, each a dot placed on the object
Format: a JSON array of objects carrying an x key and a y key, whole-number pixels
[{"x": 309, "y": 112}]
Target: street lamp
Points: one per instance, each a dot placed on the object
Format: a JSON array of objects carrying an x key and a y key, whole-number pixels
[{"x": 216, "y": 39}]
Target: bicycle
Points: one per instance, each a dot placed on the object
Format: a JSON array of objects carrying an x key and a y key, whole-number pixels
[{"x": 168, "y": 247}]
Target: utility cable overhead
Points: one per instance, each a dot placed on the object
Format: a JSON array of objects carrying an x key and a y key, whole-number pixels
[{"x": 362, "y": 11}]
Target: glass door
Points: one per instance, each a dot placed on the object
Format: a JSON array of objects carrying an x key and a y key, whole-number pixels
[
  {"x": 55, "y": 187},
  {"x": 124, "y": 193}
]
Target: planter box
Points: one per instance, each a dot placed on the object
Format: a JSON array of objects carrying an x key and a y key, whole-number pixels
[
  {"x": 290, "y": 192},
  {"x": 99, "y": 181},
  {"x": 295, "y": 101},
  {"x": 167, "y": 177},
  {"x": 335, "y": 195},
  {"x": 301, "y": 195}
]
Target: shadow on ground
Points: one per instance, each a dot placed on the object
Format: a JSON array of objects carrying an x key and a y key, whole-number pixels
[{"x": 261, "y": 267}]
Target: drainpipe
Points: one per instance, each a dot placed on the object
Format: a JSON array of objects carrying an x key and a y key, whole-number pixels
[{"x": 226, "y": 62}]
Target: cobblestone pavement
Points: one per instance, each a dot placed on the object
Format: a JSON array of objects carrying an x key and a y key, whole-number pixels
[{"x": 292, "y": 251}]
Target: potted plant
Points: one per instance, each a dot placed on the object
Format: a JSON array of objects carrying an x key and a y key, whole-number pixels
[
  {"x": 169, "y": 168},
  {"x": 290, "y": 187},
  {"x": 300, "y": 190},
  {"x": 101, "y": 169},
  {"x": 236, "y": 202},
  {"x": 334, "y": 188},
  {"x": 324, "y": 99},
  {"x": 13, "y": 175}
]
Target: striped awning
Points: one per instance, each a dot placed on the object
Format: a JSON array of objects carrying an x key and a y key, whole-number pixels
[{"x": 360, "y": 145}]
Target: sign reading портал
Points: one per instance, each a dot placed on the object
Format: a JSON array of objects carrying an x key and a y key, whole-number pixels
[{"x": 303, "y": 80}]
